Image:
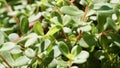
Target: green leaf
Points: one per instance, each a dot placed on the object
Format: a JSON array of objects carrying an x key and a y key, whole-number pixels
[
  {"x": 66, "y": 19},
  {"x": 29, "y": 53},
  {"x": 100, "y": 54},
  {"x": 8, "y": 57},
  {"x": 16, "y": 50},
  {"x": 7, "y": 46},
  {"x": 2, "y": 0},
  {"x": 2, "y": 38},
  {"x": 85, "y": 28},
  {"x": 61, "y": 63},
  {"x": 38, "y": 28},
  {"x": 115, "y": 39},
  {"x": 102, "y": 18},
  {"x": 53, "y": 64},
  {"x": 76, "y": 50},
  {"x": 44, "y": 1},
  {"x": 56, "y": 51},
  {"x": 30, "y": 41},
  {"x": 71, "y": 10},
  {"x": 81, "y": 58},
  {"x": 24, "y": 24},
  {"x": 111, "y": 23},
  {"x": 87, "y": 40},
  {"x": 64, "y": 48},
  {"x": 21, "y": 61},
  {"x": 13, "y": 36},
  {"x": 83, "y": 2},
  {"x": 53, "y": 30},
  {"x": 48, "y": 59}
]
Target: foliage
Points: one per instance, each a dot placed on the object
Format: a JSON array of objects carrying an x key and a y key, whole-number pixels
[{"x": 60, "y": 34}]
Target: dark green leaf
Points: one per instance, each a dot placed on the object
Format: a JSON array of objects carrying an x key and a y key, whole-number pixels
[
  {"x": 64, "y": 48},
  {"x": 24, "y": 24},
  {"x": 87, "y": 40}
]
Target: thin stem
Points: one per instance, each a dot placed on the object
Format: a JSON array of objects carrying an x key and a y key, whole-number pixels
[
  {"x": 71, "y": 2},
  {"x": 85, "y": 13},
  {"x": 10, "y": 10},
  {"x": 38, "y": 57},
  {"x": 70, "y": 63},
  {"x": 68, "y": 40},
  {"x": 4, "y": 60},
  {"x": 79, "y": 36},
  {"x": 83, "y": 19}
]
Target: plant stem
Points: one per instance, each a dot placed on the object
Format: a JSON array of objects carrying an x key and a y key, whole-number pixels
[
  {"x": 10, "y": 10},
  {"x": 4, "y": 60},
  {"x": 83, "y": 19},
  {"x": 68, "y": 40},
  {"x": 85, "y": 13},
  {"x": 70, "y": 63},
  {"x": 71, "y": 2},
  {"x": 38, "y": 57}
]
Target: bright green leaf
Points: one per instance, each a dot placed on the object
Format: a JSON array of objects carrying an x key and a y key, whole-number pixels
[
  {"x": 53, "y": 30},
  {"x": 38, "y": 28}
]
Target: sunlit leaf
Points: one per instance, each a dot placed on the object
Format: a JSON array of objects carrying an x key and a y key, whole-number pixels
[
  {"x": 71, "y": 10},
  {"x": 30, "y": 53},
  {"x": 81, "y": 58},
  {"x": 2, "y": 38},
  {"x": 7, "y": 46},
  {"x": 30, "y": 41},
  {"x": 53, "y": 30},
  {"x": 76, "y": 50},
  {"x": 21, "y": 61},
  {"x": 38, "y": 28}
]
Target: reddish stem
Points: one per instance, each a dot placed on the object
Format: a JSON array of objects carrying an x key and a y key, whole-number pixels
[{"x": 4, "y": 60}]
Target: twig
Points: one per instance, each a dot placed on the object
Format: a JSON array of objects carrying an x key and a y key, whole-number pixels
[
  {"x": 83, "y": 19},
  {"x": 103, "y": 33},
  {"x": 16, "y": 40},
  {"x": 79, "y": 36},
  {"x": 70, "y": 63},
  {"x": 10, "y": 10},
  {"x": 85, "y": 13},
  {"x": 38, "y": 57},
  {"x": 68, "y": 40},
  {"x": 71, "y": 2},
  {"x": 4, "y": 60}
]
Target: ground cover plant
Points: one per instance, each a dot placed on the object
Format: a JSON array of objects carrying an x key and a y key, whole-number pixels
[{"x": 59, "y": 33}]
